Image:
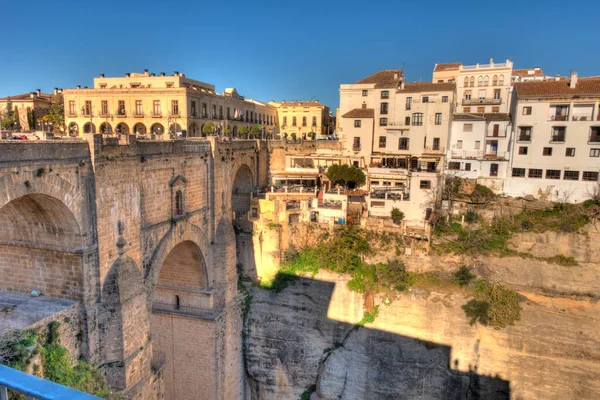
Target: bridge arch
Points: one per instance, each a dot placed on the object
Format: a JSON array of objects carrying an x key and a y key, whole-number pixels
[{"x": 241, "y": 191}]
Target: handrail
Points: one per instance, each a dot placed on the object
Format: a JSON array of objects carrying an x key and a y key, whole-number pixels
[{"x": 36, "y": 388}]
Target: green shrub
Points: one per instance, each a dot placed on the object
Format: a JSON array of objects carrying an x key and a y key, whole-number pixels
[
  {"x": 394, "y": 275},
  {"x": 463, "y": 276},
  {"x": 493, "y": 305},
  {"x": 482, "y": 194},
  {"x": 471, "y": 216},
  {"x": 397, "y": 215}
]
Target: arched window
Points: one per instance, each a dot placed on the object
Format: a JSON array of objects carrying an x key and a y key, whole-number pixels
[
  {"x": 466, "y": 81},
  {"x": 178, "y": 203},
  {"x": 501, "y": 81},
  {"x": 486, "y": 81},
  {"x": 177, "y": 302},
  {"x": 480, "y": 81},
  {"x": 417, "y": 119},
  {"x": 472, "y": 81},
  {"x": 495, "y": 80}
]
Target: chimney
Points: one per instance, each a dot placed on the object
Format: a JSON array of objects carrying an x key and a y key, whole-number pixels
[
  {"x": 153, "y": 74},
  {"x": 573, "y": 81},
  {"x": 146, "y": 72},
  {"x": 85, "y": 87},
  {"x": 162, "y": 74},
  {"x": 176, "y": 73},
  {"x": 183, "y": 75},
  {"x": 395, "y": 74},
  {"x": 38, "y": 92},
  {"x": 127, "y": 74},
  {"x": 55, "y": 91},
  {"x": 78, "y": 86},
  {"x": 101, "y": 75},
  {"x": 32, "y": 95},
  {"x": 492, "y": 62}
]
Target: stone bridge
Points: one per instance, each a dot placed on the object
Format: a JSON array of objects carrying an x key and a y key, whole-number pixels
[{"x": 141, "y": 236}]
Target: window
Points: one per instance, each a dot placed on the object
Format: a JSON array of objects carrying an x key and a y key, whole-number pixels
[
  {"x": 284, "y": 120},
  {"x": 444, "y": 99},
  {"x": 459, "y": 144},
  {"x": 205, "y": 111},
  {"x": 169, "y": 84},
  {"x": 385, "y": 94},
  {"x": 523, "y": 150},
  {"x": 571, "y": 176},
  {"x": 417, "y": 119},
  {"x": 314, "y": 121},
  {"x": 178, "y": 203},
  {"x": 104, "y": 107},
  {"x": 496, "y": 94},
  {"x": 88, "y": 108},
  {"x": 303, "y": 121},
  {"x": 477, "y": 144},
  {"x": 403, "y": 144},
  {"x": 221, "y": 112},
  {"x": 228, "y": 110},
  {"x": 525, "y": 133},
  {"x": 495, "y": 130},
  {"x": 480, "y": 109},
  {"x": 406, "y": 120},
  {"x": 356, "y": 143},
  {"x": 494, "y": 170},
  {"x": 467, "y": 95},
  {"x": 467, "y": 127},
  {"x": 139, "y": 109},
  {"x": 472, "y": 82},
  {"x": 495, "y": 109},
  {"x": 454, "y": 165},
  {"x": 72, "y": 110},
  {"x": 467, "y": 166},
  {"x": 547, "y": 151},
  {"x": 518, "y": 172},
  {"x": 121, "y": 109},
  {"x": 495, "y": 80},
  {"x": 193, "y": 111},
  {"x": 486, "y": 81},
  {"x": 156, "y": 107},
  {"x": 356, "y": 122},
  {"x": 294, "y": 122},
  {"x": 594, "y": 152},
  {"x": 383, "y": 121},
  {"x": 480, "y": 81},
  {"x": 438, "y": 118},
  {"x": 590, "y": 176},
  {"x": 535, "y": 173},
  {"x": 383, "y": 109},
  {"x": 365, "y": 93},
  {"x": 175, "y": 107},
  {"x": 553, "y": 174},
  {"x": 559, "y": 133},
  {"x": 501, "y": 80},
  {"x": 467, "y": 109},
  {"x": 570, "y": 152},
  {"x": 436, "y": 143},
  {"x": 425, "y": 99},
  {"x": 214, "y": 111},
  {"x": 526, "y": 110},
  {"x": 466, "y": 81},
  {"x": 425, "y": 185},
  {"x": 408, "y": 103},
  {"x": 594, "y": 134},
  {"x": 382, "y": 140}
]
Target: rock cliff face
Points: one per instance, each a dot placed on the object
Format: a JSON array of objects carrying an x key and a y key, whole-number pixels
[{"x": 421, "y": 346}]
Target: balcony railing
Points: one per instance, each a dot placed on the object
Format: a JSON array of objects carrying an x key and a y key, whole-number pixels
[
  {"x": 557, "y": 138},
  {"x": 524, "y": 138},
  {"x": 36, "y": 388},
  {"x": 356, "y": 147},
  {"x": 433, "y": 149},
  {"x": 481, "y": 100},
  {"x": 121, "y": 113},
  {"x": 559, "y": 118},
  {"x": 594, "y": 139}
]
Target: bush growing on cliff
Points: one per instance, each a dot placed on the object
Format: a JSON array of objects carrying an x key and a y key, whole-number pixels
[
  {"x": 493, "y": 305},
  {"x": 463, "y": 277}
]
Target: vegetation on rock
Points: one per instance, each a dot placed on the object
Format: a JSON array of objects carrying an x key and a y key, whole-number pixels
[{"x": 346, "y": 175}]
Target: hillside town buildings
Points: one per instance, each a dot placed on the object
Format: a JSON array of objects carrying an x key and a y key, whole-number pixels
[
  {"x": 301, "y": 118},
  {"x": 146, "y": 104},
  {"x": 30, "y": 107}
]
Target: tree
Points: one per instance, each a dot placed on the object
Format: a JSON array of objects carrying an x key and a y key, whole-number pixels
[
  {"x": 347, "y": 176},
  {"x": 8, "y": 117},
  {"x": 30, "y": 119},
  {"x": 208, "y": 128},
  {"x": 312, "y": 135},
  {"x": 57, "y": 112},
  {"x": 243, "y": 130},
  {"x": 255, "y": 131},
  {"x": 397, "y": 215},
  {"x": 227, "y": 131}
]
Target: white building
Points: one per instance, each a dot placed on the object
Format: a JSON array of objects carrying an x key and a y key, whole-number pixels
[
  {"x": 481, "y": 128},
  {"x": 528, "y": 75},
  {"x": 557, "y": 139}
]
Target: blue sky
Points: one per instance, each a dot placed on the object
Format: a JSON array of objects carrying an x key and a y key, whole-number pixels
[{"x": 269, "y": 50}]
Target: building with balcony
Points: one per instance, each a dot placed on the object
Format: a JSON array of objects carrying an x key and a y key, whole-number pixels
[
  {"x": 30, "y": 106},
  {"x": 556, "y": 150},
  {"x": 302, "y": 117},
  {"x": 146, "y": 104}
]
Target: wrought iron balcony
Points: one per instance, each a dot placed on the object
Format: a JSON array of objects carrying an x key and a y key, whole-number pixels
[
  {"x": 356, "y": 147},
  {"x": 594, "y": 139},
  {"x": 557, "y": 138},
  {"x": 524, "y": 138},
  {"x": 481, "y": 100}
]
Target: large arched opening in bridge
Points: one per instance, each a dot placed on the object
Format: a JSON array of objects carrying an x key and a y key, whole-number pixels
[
  {"x": 241, "y": 192},
  {"x": 40, "y": 247},
  {"x": 181, "y": 325}
]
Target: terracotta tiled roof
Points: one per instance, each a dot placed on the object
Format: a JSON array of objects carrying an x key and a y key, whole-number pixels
[
  {"x": 360, "y": 113},
  {"x": 27, "y": 96},
  {"x": 482, "y": 117},
  {"x": 301, "y": 103},
  {"x": 447, "y": 67},
  {"x": 415, "y": 87},
  {"x": 584, "y": 87},
  {"x": 537, "y": 72},
  {"x": 388, "y": 78}
]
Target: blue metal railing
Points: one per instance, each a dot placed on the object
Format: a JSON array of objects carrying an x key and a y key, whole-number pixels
[{"x": 36, "y": 388}]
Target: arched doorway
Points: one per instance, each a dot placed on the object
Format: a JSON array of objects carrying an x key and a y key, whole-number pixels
[
  {"x": 122, "y": 129},
  {"x": 89, "y": 128},
  {"x": 157, "y": 129},
  {"x": 73, "y": 129},
  {"x": 40, "y": 237},
  {"x": 174, "y": 128},
  {"x": 105, "y": 128},
  {"x": 234, "y": 131},
  {"x": 241, "y": 192},
  {"x": 193, "y": 130},
  {"x": 139, "y": 129}
]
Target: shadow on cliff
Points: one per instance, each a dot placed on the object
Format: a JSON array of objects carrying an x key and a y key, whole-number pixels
[{"x": 293, "y": 347}]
